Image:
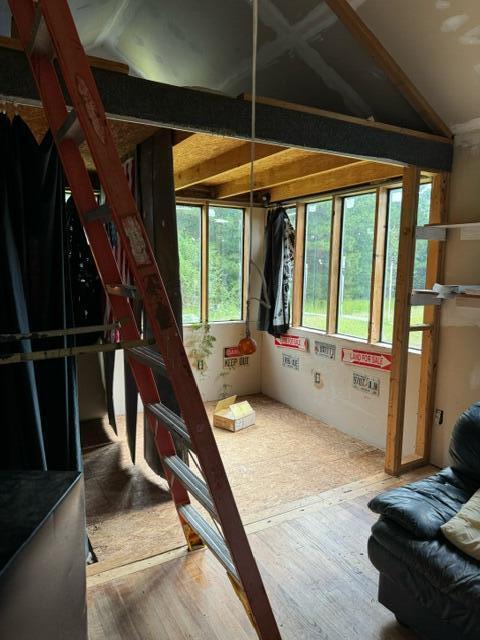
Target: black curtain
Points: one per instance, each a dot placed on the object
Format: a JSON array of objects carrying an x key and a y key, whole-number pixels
[
  {"x": 274, "y": 315},
  {"x": 39, "y": 402}
]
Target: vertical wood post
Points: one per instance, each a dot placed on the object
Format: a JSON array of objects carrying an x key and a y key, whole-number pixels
[
  {"x": 204, "y": 273},
  {"x": 431, "y": 316},
  {"x": 401, "y": 323},
  {"x": 378, "y": 266},
  {"x": 297, "y": 297}
]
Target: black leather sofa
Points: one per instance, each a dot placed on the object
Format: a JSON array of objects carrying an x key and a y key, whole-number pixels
[{"x": 429, "y": 584}]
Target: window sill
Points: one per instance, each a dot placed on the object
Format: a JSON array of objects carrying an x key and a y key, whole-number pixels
[{"x": 381, "y": 347}]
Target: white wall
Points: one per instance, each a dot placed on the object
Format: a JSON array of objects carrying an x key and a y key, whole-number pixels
[
  {"x": 458, "y": 380},
  {"x": 336, "y": 401}
]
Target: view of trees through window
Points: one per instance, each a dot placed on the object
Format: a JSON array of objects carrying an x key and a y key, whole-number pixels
[
  {"x": 391, "y": 259},
  {"x": 318, "y": 225},
  {"x": 356, "y": 264},
  {"x": 189, "y": 226},
  {"x": 225, "y": 263}
]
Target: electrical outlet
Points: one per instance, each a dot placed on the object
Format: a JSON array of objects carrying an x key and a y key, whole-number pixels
[
  {"x": 200, "y": 365},
  {"x": 438, "y": 417}
]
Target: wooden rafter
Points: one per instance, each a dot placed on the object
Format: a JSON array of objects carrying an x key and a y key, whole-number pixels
[
  {"x": 372, "y": 45},
  {"x": 213, "y": 167},
  {"x": 277, "y": 175},
  {"x": 361, "y": 172}
]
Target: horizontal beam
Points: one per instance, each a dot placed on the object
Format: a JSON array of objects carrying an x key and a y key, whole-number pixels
[
  {"x": 284, "y": 173},
  {"x": 351, "y": 175},
  {"x": 134, "y": 99},
  {"x": 214, "y": 167}
]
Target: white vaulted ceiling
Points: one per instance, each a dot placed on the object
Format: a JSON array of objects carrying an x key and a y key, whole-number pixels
[{"x": 305, "y": 55}]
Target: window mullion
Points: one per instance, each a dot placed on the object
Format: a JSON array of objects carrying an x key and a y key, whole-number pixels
[
  {"x": 378, "y": 266},
  {"x": 298, "y": 283},
  {"x": 204, "y": 274},
  {"x": 247, "y": 234},
  {"x": 334, "y": 267}
]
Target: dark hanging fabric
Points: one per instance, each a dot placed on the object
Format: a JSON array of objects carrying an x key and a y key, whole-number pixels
[
  {"x": 35, "y": 285},
  {"x": 156, "y": 202},
  {"x": 278, "y": 271}
]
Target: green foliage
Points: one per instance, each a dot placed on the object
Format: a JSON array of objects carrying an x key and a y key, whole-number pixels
[{"x": 200, "y": 345}]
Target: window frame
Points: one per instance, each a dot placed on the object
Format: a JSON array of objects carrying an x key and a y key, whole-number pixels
[
  {"x": 204, "y": 205},
  {"x": 379, "y": 250}
]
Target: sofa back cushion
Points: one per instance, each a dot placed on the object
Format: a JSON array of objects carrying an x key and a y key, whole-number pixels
[
  {"x": 463, "y": 530},
  {"x": 465, "y": 444}
]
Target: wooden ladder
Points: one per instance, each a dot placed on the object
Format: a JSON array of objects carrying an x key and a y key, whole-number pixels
[{"x": 50, "y": 40}]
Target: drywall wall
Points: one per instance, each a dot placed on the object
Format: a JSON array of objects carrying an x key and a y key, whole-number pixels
[
  {"x": 458, "y": 380},
  {"x": 334, "y": 399}
]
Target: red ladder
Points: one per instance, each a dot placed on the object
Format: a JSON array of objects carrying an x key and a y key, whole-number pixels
[{"x": 48, "y": 32}]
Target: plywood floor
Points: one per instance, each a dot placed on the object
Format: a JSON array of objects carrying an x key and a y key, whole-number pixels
[
  {"x": 283, "y": 459},
  {"x": 314, "y": 562}
]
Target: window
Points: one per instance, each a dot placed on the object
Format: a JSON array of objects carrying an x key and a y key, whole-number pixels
[
  {"x": 225, "y": 263},
  {"x": 355, "y": 276},
  {"x": 391, "y": 257},
  {"x": 292, "y": 215},
  {"x": 189, "y": 226},
  {"x": 318, "y": 225}
]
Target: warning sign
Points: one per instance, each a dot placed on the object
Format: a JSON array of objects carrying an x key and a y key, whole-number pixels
[
  {"x": 290, "y": 362},
  {"x": 231, "y": 363},
  {"x": 232, "y": 352},
  {"x": 325, "y": 350},
  {"x": 366, "y": 383},
  {"x": 370, "y": 359},
  {"x": 299, "y": 343}
]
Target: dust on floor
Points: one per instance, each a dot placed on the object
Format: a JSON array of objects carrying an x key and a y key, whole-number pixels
[{"x": 284, "y": 457}]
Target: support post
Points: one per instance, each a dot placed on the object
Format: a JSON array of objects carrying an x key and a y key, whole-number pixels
[
  {"x": 401, "y": 323},
  {"x": 431, "y": 317},
  {"x": 378, "y": 266},
  {"x": 334, "y": 272}
]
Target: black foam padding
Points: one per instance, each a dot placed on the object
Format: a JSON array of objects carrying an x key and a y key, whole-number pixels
[{"x": 129, "y": 97}]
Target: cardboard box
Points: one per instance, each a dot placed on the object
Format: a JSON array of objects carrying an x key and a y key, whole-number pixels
[{"x": 233, "y": 415}]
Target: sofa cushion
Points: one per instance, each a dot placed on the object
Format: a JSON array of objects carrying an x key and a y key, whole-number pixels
[
  {"x": 465, "y": 444},
  {"x": 422, "y": 507},
  {"x": 463, "y": 530},
  {"x": 443, "y": 567}
]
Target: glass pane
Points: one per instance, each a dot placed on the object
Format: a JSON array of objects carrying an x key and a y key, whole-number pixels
[
  {"x": 420, "y": 266},
  {"x": 189, "y": 226},
  {"x": 317, "y": 258},
  {"x": 225, "y": 263},
  {"x": 356, "y": 265}
]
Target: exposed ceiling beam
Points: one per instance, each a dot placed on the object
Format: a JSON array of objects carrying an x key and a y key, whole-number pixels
[
  {"x": 212, "y": 168},
  {"x": 360, "y": 173},
  {"x": 277, "y": 175},
  {"x": 136, "y": 100},
  {"x": 359, "y": 30}
]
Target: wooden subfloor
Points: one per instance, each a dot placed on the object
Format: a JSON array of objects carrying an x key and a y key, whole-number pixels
[
  {"x": 313, "y": 558},
  {"x": 284, "y": 458}
]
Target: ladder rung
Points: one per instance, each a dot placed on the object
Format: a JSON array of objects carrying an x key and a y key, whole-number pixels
[
  {"x": 70, "y": 129},
  {"x": 195, "y": 485},
  {"x": 125, "y": 290},
  {"x": 40, "y": 41},
  {"x": 148, "y": 356},
  {"x": 210, "y": 537},
  {"x": 171, "y": 421},
  {"x": 102, "y": 213}
]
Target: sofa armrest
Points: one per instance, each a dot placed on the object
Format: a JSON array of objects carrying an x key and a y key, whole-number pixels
[{"x": 423, "y": 506}]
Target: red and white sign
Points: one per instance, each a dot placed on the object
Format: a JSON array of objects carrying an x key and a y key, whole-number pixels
[
  {"x": 371, "y": 359},
  {"x": 299, "y": 343},
  {"x": 232, "y": 352}
]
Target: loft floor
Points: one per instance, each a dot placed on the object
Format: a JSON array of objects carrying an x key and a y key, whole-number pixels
[
  {"x": 281, "y": 462},
  {"x": 314, "y": 563}
]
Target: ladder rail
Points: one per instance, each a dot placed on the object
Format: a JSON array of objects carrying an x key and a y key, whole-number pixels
[{"x": 89, "y": 110}]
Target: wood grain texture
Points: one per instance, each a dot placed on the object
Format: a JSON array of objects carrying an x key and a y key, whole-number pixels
[
  {"x": 378, "y": 266},
  {"x": 130, "y": 516},
  {"x": 431, "y": 316},
  {"x": 334, "y": 267},
  {"x": 314, "y": 563},
  {"x": 401, "y": 322},
  {"x": 359, "y": 173}
]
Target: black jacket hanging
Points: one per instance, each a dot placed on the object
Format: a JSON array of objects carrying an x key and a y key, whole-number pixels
[{"x": 278, "y": 271}]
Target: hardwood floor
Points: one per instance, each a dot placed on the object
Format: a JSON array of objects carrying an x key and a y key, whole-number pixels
[
  {"x": 286, "y": 456},
  {"x": 312, "y": 557}
]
